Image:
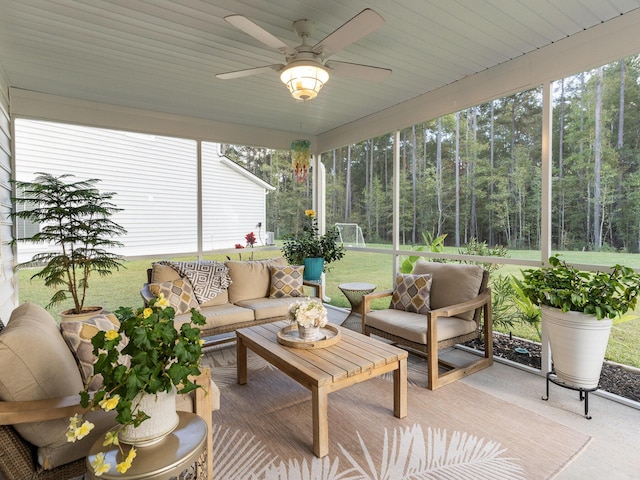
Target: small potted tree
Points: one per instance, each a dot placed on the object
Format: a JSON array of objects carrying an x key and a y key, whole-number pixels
[
  {"x": 74, "y": 218},
  {"x": 577, "y": 310},
  {"x": 311, "y": 249}
]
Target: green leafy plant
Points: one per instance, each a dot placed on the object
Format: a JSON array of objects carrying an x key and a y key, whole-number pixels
[
  {"x": 431, "y": 244},
  {"x": 157, "y": 357},
  {"x": 310, "y": 244},
  {"x": 605, "y": 295},
  {"x": 74, "y": 217},
  {"x": 474, "y": 247}
]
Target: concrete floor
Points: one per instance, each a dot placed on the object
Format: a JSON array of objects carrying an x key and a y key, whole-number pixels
[{"x": 614, "y": 451}]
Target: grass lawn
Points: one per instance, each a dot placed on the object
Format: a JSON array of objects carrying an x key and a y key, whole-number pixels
[{"x": 122, "y": 288}]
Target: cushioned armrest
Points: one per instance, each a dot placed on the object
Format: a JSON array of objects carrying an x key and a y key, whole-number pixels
[
  {"x": 13, "y": 413},
  {"x": 454, "y": 310},
  {"x": 146, "y": 294}
]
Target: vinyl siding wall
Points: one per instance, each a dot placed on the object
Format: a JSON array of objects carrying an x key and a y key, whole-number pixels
[
  {"x": 8, "y": 294},
  {"x": 155, "y": 178}
]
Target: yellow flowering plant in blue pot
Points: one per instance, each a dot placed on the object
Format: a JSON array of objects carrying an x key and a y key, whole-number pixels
[{"x": 156, "y": 358}]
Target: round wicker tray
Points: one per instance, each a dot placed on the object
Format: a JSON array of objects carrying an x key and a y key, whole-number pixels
[{"x": 288, "y": 336}]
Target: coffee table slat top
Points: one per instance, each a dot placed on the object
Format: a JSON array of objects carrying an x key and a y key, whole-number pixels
[{"x": 352, "y": 355}]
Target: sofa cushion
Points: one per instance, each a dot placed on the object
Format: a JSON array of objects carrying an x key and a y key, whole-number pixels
[
  {"x": 413, "y": 326},
  {"x": 219, "y": 316},
  {"x": 251, "y": 279},
  {"x": 208, "y": 278},
  {"x": 286, "y": 281},
  {"x": 453, "y": 283},
  {"x": 265, "y": 308},
  {"x": 163, "y": 273},
  {"x": 179, "y": 293},
  {"x": 412, "y": 293},
  {"x": 78, "y": 336},
  {"x": 36, "y": 364}
]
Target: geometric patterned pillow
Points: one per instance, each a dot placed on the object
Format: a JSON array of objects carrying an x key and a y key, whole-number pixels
[
  {"x": 286, "y": 281},
  {"x": 78, "y": 336},
  {"x": 412, "y": 293},
  {"x": 179, "y": 293}
]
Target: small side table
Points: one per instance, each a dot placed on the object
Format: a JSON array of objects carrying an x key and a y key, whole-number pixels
[
  {"x": 182, "y": 454},
  {"x": 354, "y": 293}
]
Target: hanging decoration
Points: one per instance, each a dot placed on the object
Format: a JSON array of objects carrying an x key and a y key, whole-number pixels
[{"x": 300, "y": 158}]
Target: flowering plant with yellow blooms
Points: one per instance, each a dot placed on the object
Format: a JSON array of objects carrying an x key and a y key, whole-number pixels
[
  {"x": 156, "y": 357},
  {"x": 309, "y": 243}
]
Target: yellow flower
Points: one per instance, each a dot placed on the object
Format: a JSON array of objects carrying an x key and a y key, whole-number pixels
[
  {"x": 146, "y": 313},
  {"x": 110, "y": 403},
  {"x": 161, "y": 302},
  {"x": 111, "y": 438},
  {"x": 310, "y": 213},
  {"x": 122, "y": 467},
  {"x": 98, "y": 465},
  {"x": 111, "y": 335},
  {"x": 77, "y": 431}
]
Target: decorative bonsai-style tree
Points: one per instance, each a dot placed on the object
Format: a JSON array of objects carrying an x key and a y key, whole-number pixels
[{"x": 73, "y": 216}]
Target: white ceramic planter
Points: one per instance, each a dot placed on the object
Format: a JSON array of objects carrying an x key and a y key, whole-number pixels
[
  {"x": 161, "y": 407},
  {"x": 578, "y": 345}
]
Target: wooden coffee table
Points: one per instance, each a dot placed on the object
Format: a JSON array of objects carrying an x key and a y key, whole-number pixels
[{"x": 354, "y": 359}]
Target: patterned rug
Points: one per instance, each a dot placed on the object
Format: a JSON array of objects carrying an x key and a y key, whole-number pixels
[{"x": 263, "y": 431}]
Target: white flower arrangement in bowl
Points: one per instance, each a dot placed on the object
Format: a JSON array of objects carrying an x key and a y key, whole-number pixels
[{"x": 310, "y": 315}]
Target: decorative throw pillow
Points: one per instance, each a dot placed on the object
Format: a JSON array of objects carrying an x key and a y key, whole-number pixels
[
  {"x": 179, "y": 293},
  {"x": 412, "y": 293},
  {"x": 78, "y": 336},
  {"x": 286, "y": 281}
]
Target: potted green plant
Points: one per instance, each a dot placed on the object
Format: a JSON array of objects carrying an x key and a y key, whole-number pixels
[
  {"x": 74, "y": 217},
  {"x": 300, "y": 248},
  {"x": 143, "y": 365},
  {"x": 578, "y": 308}
]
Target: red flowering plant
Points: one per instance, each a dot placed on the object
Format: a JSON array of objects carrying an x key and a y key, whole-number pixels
[{"x": 251, "y": 241}]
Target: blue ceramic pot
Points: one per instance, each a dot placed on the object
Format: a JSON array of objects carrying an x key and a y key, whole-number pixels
[{"x": 313, "y": 268}]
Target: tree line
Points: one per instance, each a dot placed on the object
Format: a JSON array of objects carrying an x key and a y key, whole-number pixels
[{"x": 475, "y": 175}]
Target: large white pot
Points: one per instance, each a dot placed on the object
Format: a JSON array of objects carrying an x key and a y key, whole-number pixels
[
  {"x": 161, "y": 407},
  {"x": 578, "y": 344}
]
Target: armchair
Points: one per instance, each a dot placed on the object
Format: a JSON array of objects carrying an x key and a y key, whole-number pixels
[
  {"x": 460, "y": 302},
  {"x": 39, "y": 378}
]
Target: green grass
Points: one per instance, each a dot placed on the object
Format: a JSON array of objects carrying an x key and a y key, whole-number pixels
[{"x": 122, "y": 288}]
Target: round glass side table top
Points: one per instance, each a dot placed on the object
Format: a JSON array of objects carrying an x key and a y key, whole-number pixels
[
  {"x": 181, "y": 454},
  {"x": 354, "y": 293}
]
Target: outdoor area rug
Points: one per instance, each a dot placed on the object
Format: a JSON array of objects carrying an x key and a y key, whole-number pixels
[{"x": 263, "y": 431}]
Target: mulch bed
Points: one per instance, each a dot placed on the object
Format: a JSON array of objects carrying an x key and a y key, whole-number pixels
[{"x": 614, "y": 379}]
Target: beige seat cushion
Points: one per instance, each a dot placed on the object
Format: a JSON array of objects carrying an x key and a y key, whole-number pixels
[
  {"x": 452, "y": 283},
  {"x": 251, "y": 279},
  {"x": 219, "y": 316},
  {"x": 413, "y": 326},
  {"x": 36, "y": 364},
  {"x": 264, "y": 308}
]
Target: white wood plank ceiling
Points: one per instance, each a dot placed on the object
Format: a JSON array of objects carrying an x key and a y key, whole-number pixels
[{"x": 163, "y": 55}]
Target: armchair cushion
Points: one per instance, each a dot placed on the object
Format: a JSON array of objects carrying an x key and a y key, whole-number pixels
[
  {"x": 412, "y": 293},
  {"x": 453, "y": 283},
  {"x": 286, "y": 281},
  {"x": 47, "y": 370},
  {"x": 179, "y": 293},
  {"x": 413, "y": 326}
]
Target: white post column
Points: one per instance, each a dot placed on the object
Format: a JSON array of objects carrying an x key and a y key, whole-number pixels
[{"x": 545, "y": 228}]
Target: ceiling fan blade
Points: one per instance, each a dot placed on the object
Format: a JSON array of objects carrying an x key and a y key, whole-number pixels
[
  {"x": 247, "y": 26},
  {"x": 362, "y": 24},
  {"x": 355, "y": 70},
  {"x": 249, "y": 71}
]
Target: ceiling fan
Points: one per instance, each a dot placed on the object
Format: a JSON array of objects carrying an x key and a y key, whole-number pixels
[{"x": 306, "y": 68}]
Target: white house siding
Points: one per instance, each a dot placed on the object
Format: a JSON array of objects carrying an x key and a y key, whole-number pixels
[
  {"x": 155, "y": 179},
  {"x": 8, "y": 294},
  {"x": 243, "y": 205}
]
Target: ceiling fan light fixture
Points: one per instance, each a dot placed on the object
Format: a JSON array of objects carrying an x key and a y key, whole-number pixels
[{"x": 304, "y": 79}]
